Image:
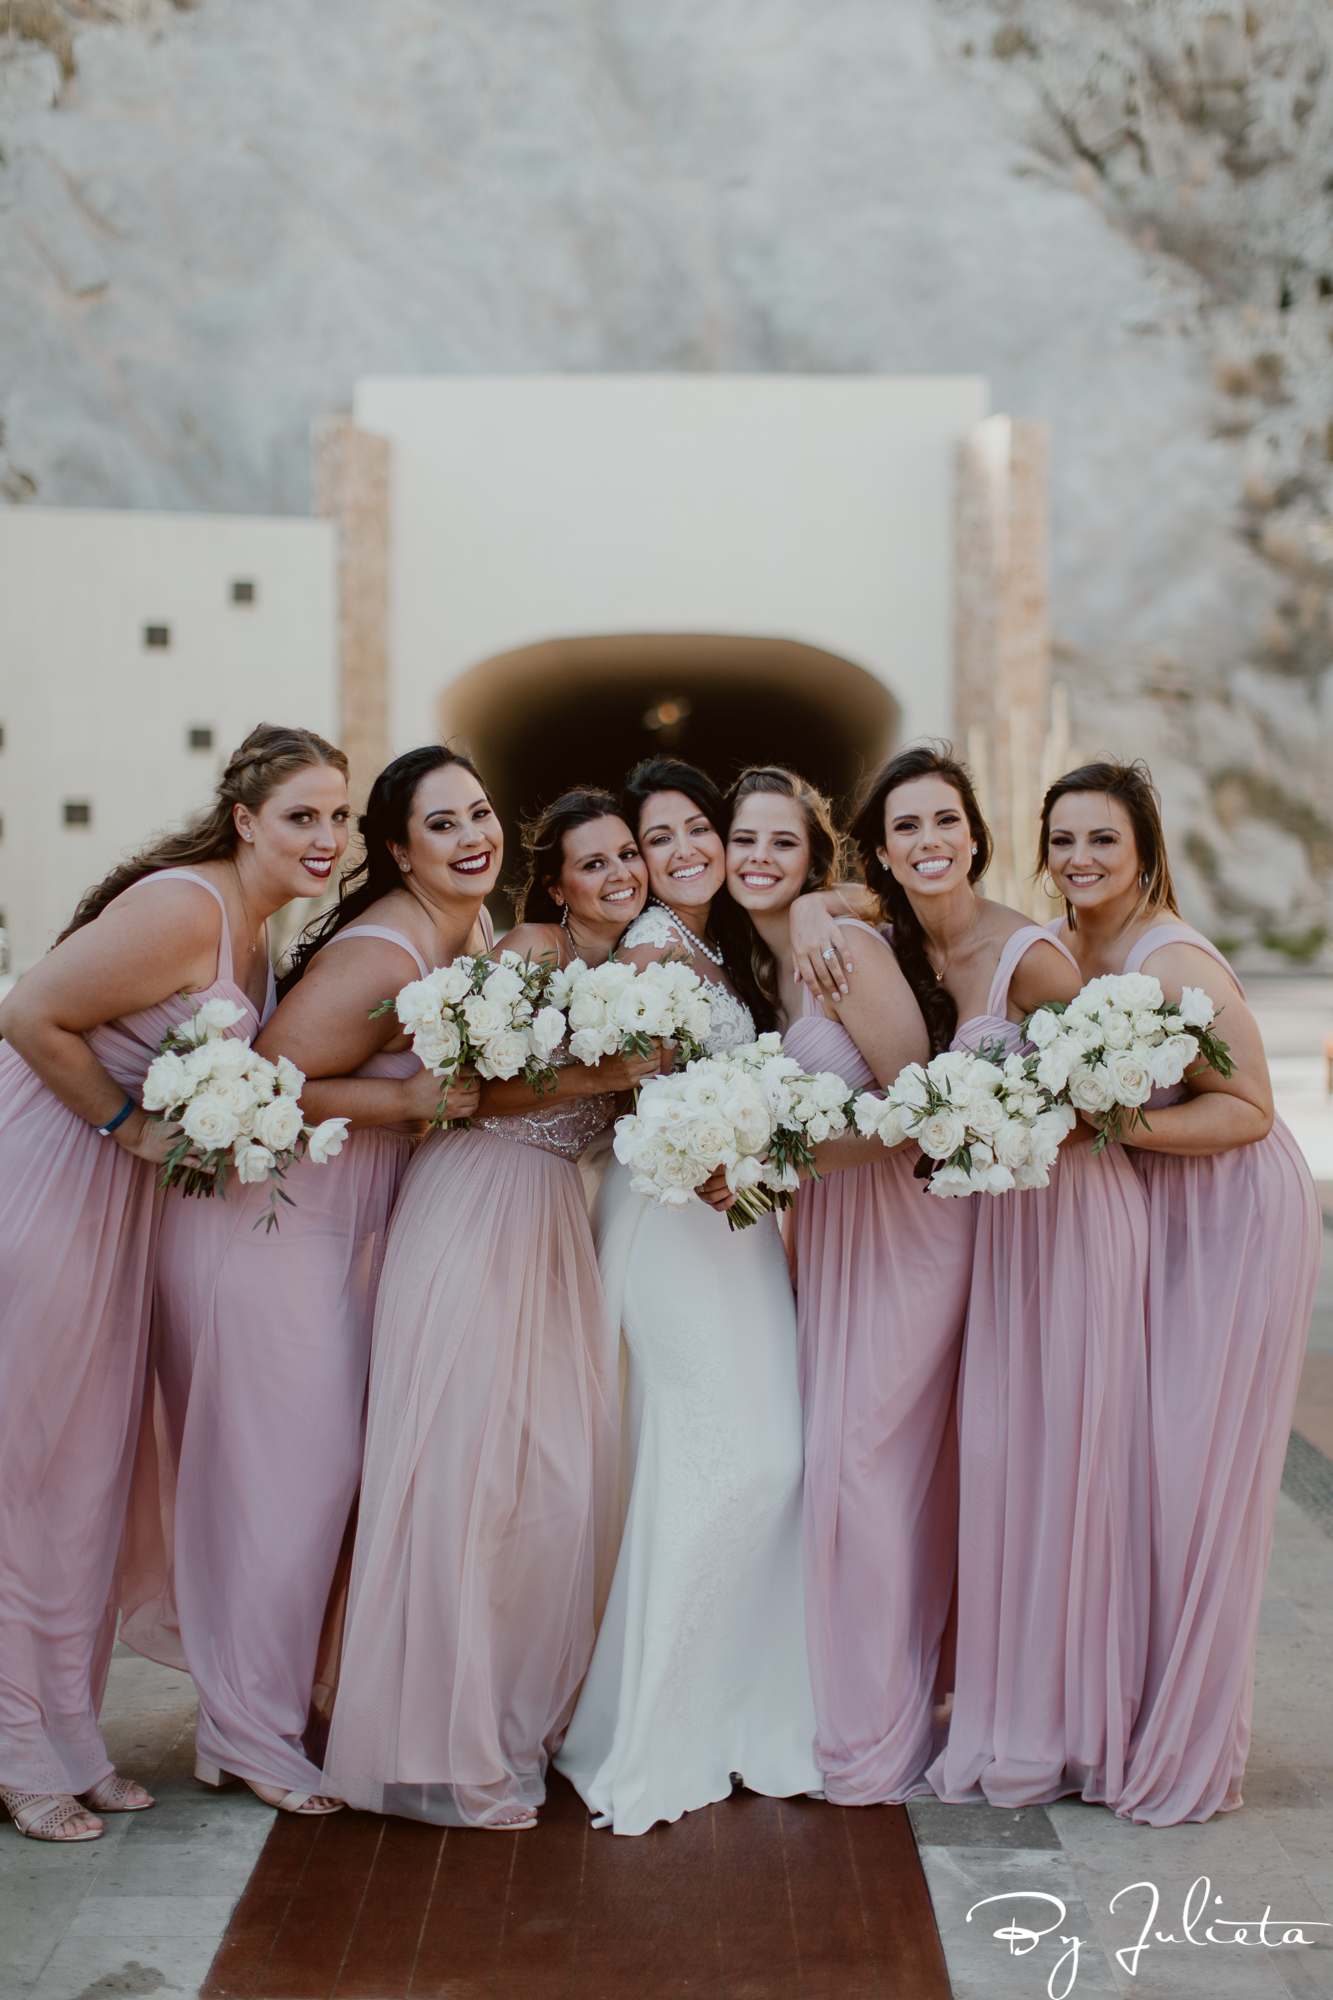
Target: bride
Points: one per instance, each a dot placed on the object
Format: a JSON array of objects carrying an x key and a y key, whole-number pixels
[{"x": 699, "y": 1675}]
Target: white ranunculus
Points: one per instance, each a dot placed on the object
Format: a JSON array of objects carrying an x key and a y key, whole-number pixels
[
  {"x": 941, "y": 1133},
  {"x": 208, "y": 1123},
  {"x": 505, "y": 1055},
  {"x": 548, "y": 1030},
  {"x": 253, "y": 1164},
  {"x": 1196, "y": 1009},
  {"x": 216, "y": 1016},
  {"x": 484, "y": 1018},
  {"x": 1090, "y": 1088},
  {"x": 1117, "y": 1031},
  {"x": 1043, "y": 1028},
  {"x": 1130, "y": 1078},
  {"x": 279, "y": 1124},
  {"x": 1013, "y": 1143},
  {"x": 167, "y": 1083},
  {"x": 327, "y": 1139}
]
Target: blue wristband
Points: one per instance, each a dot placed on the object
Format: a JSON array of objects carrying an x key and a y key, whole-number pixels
[{"x": 119, "y": 1119}]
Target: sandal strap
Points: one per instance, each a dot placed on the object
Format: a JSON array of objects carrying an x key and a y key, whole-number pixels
[
  {"x": 113, "y": 1794},
  {"x": 40, "y": 1815}
]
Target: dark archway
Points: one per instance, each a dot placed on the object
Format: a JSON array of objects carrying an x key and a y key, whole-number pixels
[{"x": 584, "y": 711}]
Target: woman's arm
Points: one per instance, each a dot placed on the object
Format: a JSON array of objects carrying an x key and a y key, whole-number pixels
[
  {"x": 814, "y": 931},
  {"x": 1220, "y": 1112},
  {"x": 882, "y": 1016},
  {"x": 1043, "y": 973},
  {"x": 144, "y": 947}
]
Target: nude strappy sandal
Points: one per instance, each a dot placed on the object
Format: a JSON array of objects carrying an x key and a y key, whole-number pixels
[
  {"x": 115, "y": 1795},
  {"x": 40, "y": 1815},
  {"x": 311, "y": 1804}
]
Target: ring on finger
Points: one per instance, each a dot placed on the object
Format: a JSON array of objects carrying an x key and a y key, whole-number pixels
[{"x": 828, "y": 953}]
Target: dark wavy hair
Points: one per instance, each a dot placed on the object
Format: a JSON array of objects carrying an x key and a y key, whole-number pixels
[
  {"x": 544, "y": 845},
  {"x": 825, "y": 850},
  {"x": 385, "y": 818},
  {"x": 926, "y": 760},
  {"x": 1132, "y": 785},
  {"x": 729, "y": 923},
  {"x": 269, "y": 754}
]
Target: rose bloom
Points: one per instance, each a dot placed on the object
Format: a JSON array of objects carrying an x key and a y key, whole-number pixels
[
  {"x": 1170, "y": 1061},
  {"x": 1130, "y": 1078},
  {"x": 505, "y": 1054},
  {"x": 279, "y": 1124},
  {"x": 452, "y": 983},
  {"x": 484, "y": 1019},
  {"x": 941, "y": 1133},
  {"x": 1148, "y": 1027},
  {"x": 417, "y": 1003},
  {"x": 1090, "y": 1089},
  {"x": 985, "y": 1114},
  {"x": 1117, "y": 1031},
  {"x": 748, "y": 1114},
  {"x": 253, "y": 1164},
  {"x": 167, "y": 1083},
  {"x": 1196, "y": 1009},
  {"x": 216, "y": 1016},
  {"x": 712, "y": 1140},
  {"x": 1013, "y": 1143},
  {"x": 503, "y": 986},
  {"x": 209, "y": 1124},
  {"x": 327, "y": 1139},
  {"x": 230, "y": 1058},
  {"x": 548, "y": 1030},
  {"x": 1043, "y": 1027},
  {"x": 951, "y": 1181},
  {"x": 291, "y": 1080}
]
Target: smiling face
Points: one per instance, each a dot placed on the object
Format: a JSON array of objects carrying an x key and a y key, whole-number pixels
[
  {"x": 603, "y": 879},
  {"x": 1092, "y": 854},
  {"x": 687, "y": 862},
  {"x": 454, "y": 841},
  {"x": 927, "y": 839},
  {"x": 299, "y": 834},
  {"x": 768, "y": 852}
]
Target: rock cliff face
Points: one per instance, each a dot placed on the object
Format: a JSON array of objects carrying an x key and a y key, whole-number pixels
[{"x": 213, "y": 218}]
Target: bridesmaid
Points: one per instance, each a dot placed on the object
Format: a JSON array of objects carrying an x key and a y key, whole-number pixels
[
  {"x": 488, "y": 1507},
  {"x": 78, "y": 1221},
  {"x": 882, "y": 1290},
  {"x": 262, "y": 1342},
  {"x": 1052, "y": 1498},
  {"x": 1232, "y": 1262}
]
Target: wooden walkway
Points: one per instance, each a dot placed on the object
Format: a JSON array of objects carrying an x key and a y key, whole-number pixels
[{"x": 752, "y": 1899}]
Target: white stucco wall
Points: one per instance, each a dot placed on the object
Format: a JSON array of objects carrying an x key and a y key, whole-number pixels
[
  {"x": 91, "y": 714},
  {"x": 537, "y": 507}
]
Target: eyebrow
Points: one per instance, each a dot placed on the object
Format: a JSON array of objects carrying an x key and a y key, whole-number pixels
[{"x": 1092, "y": 829}]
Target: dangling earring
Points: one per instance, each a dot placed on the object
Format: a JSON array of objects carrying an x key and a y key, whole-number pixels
[{"x": 564, "y": 922}]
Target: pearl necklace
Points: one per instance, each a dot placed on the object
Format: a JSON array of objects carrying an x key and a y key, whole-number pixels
[{"x": 696, "y": 943}]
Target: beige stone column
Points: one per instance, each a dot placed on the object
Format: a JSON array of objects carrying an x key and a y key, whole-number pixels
[
  {"x": 350, "y": 485},
  {"x": 1002, "y": 673}
]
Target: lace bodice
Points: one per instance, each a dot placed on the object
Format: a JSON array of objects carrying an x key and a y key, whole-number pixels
[
  {"x": 732, "y": 1023},
  {"x": 567, "y": 1129}
]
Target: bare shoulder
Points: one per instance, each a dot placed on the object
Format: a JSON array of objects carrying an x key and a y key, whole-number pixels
[
  {"x": 535, "y": 941},
  {"x": 1043, "y": 972},
  {"x": 158, "y": 906},
  {"x": 1181, "y": 964}
]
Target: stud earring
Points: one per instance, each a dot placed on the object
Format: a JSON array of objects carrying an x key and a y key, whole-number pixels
[
  {"x": 1143, "y": 878},
  {"x": 974, "y": 847},
  {"x": 405, "y": 867}
]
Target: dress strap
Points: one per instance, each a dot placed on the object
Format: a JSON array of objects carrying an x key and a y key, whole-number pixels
[
  {"x": 378, "y": 931},
  {"x": 224, "y": 942},
  {"x": 1162, "y": 934},
  {"x": 487, "y": 928},
  {"x": 1021, "y": 941}
]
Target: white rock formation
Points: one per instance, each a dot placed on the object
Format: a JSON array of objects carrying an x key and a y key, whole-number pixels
[{"x": 213, "y": 220}]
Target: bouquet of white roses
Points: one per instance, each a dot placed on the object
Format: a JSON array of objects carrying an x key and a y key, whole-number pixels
[
  {"x": 1117, "y": 1041},
  {"x": 986, "y": 1120},
  {"x": 235, "y": 1109},
  {"x": 485, "y": 1014},
  {"x": 614, "y": 1009},
  {"x": 754, "y": 1112}
]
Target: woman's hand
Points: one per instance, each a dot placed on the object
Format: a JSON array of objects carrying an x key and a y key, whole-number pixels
[
  {"x": 421, "y": 1097},
  {"x": 463, "y": 1097},
  {"x": 146, "y": 1138},
  {"x": 820, "y": 951},
  {"x": 716, "y": 1192},
  {"x": 627, "y": 1072}
]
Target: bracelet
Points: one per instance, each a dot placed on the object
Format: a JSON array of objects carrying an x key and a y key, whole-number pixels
[{"x": 106, "y": 1130}]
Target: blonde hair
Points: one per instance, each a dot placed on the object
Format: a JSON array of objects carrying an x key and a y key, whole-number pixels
[{"x": 268, "y": 755}]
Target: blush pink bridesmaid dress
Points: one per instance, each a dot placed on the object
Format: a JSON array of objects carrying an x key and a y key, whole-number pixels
[
  {"x": 489, "y": 1504},
  {"x": 1053, "y": 1500},
  {"x": 1233, "y": 1257},
  {"x": 78, "y": 1223},
  {"x": 883, "y": 1272},
  {"x": 261, "y": 1347}
]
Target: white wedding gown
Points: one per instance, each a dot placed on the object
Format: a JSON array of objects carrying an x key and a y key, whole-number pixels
[{"x": 700, "y": 1666}]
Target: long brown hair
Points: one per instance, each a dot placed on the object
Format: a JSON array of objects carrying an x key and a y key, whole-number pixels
[
  {"x": 928, "y": 760},
  {"x": 544, "y": 846},
  {"x": 268, "y": 755},
  {"x": 825, "y": 850},
  {"x": 1132, "y": 785}
]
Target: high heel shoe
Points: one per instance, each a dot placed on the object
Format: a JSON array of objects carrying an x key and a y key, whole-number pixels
[
  {"x": 43, "y": 1815},
  {"x": 308, "y": 1803},
  {"x": 115, "y": 1794}
]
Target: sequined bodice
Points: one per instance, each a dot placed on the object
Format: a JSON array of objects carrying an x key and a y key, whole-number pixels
[
  {"x": 732, "y": 1025},
  {"x": 566, "y": 1129}
]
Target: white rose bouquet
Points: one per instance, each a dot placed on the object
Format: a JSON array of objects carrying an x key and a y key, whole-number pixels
[
  {"x": 986, "y": 1120},
  {"x": 754, "y": 1112},
  {"x": 236, "y": 1110},
  {"x": 485, "y": 1014},
  {"x": 1117, "y": 1041},
  {"x": 614, "y": 1009}
]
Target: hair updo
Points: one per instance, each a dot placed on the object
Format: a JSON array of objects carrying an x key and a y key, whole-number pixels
[
  {"x": 268, "y": 755},
  {"x": 927, "y": 760},
  {"x": 544, "y": 846}
]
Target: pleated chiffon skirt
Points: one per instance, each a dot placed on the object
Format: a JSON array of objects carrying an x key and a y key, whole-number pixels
[{"x": 489, "y": 1503}]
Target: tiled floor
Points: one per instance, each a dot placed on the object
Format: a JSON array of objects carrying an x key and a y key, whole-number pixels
[{"x": 754, "y": 1899}]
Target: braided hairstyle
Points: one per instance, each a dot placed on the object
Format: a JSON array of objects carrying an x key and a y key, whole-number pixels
[
  {"x": 730, "y": 924},
  {"x": 544, "y": 845},
  {"x": 926, "y": 760},
  {"x": 825, "y": 850},
  {"x": 268, "y": 755},
  {"x": 388, "y": 810}
]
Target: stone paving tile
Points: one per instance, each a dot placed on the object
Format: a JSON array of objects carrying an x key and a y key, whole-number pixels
[{"x": 984, "y": 1967}]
